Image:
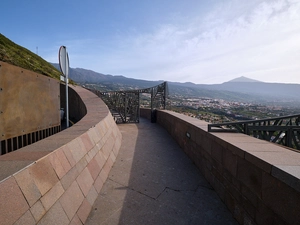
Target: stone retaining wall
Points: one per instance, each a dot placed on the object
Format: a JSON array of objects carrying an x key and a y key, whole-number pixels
[
  {"x": 257, "y": 180},
  {"x": 57, "y": 180}
]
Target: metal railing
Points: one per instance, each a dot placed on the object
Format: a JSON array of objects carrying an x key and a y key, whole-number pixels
[
  {"x": 15, "y": 143},
  {"x": 283, "y": 130},
  {"x": 125, "y": 105}
]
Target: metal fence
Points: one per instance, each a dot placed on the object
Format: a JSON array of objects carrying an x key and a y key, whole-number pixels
[
  {"x": 283, "y": 130},
  {"x": 125, "y": 105}
]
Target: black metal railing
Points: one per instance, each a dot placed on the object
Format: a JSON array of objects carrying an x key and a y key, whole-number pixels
[
  {"x": 283, "y": 130},
  {"x": 125, "y": 105},
  {"x": 15, "y": 143}
]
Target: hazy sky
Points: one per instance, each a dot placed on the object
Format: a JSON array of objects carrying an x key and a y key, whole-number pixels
[{"x": 200, "y": 41}]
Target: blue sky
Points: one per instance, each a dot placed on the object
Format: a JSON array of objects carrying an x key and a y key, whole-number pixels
[{"x": 200, "y": 41}]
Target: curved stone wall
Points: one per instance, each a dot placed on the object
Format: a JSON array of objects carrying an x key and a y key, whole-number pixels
[
  {"x": 257, "y": 180},
  {"x": 56, "y": 180}
]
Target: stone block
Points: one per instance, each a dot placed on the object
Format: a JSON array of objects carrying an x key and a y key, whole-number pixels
[
  {"x": 81, "y": 165},
  {"x": 250, "y": 176},
  {"x": 94, "y": 135},
  {"x": 102, "y": 176},
  {"x": 229, "y": 161},
  {"x": 56, "y": 164},
  {"x": 250, "y": 196},
  {"x": 26, "y": 219},
  {"x": 28, "y": 186},
  {"x": 285, "y": 198},
  {"x": 56, "y": 215},
  {"x": 69, "y": 155},
  {"x": 69, "y": 178},
  {"x": 13, "y": 204},
  {"x": 63, "y": 159},
  {"x": 77, "y": 150},
  {"x": 288, "y": 174},
  {"x": 76, "y": 221},
  {"x": 71, "y": 200},
  {"x": 204, "y": 142},
  {"x": 38, "y": 211},
  {"x": 100, "y": 159},
  {"x": 43, "y": 175},
  {"x": 87, "y": 140},
  {"x": 217, "y": 152},
  {"x": 84, "y": 211},
  {"x": 52, "y": 196},
  {"x": 92, "y": 195},
  {"x": 263, "y": 215},
  {"x": 94, "y": 168},
  {"x": 85, "y": 181},
  {"x": 259, "y": 159}
]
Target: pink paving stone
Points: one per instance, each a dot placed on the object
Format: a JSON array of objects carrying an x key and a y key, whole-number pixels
[
  {"x": 100, "y": 159},
  {"x": 85, "y": 181},
  {"x": 52, "y": 196},
  {"x": 81, "y": 165},
  {"x": 99, "y": 127},
  {"x": 99, "y": 183},
  {"x": 93, "y": 152},
  {"x": 76, "y": 149},
  {"x": 92, "y": 195},
  {"x": 69, "y": 178},
  {"x": 71, "y": 200},
  {"x": 84, "y": 210},
  {"x": 27, "y": 218},
  {"x": 112, "y": 156},
  {"x": 94, "y": 135},
  {"x": 108, "y": 165},
  {"x": 76, "y": 221},
  {"x": 38, "y": 211},
  {"x": 56, "y": 215},
  {"x": 43, "y": 175},
  {"x": 94, "y": 168},
  {"x": 100, "y": 145},
  {"x": 13, "y": 204},
  {"x": 59, "y": 169},
  {"x": 88, "y": 157},
  {"x": 28, "y": 186},
  {"x": 63, "y": 159},
  {"x": 69, "y": 155},
  {"x": 86, "y": 140},
  {"x": 106, "y": 150},
  {"x": 103, "y": 175}
]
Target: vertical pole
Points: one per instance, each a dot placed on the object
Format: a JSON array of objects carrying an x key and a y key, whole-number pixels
[
  {"x": 67, "y": 91},
  {"x": 138, "y": 112},
  {"x": 165, "y": 95}
]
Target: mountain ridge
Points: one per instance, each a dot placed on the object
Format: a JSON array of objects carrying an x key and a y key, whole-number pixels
[{"x": 241, "y": 89}]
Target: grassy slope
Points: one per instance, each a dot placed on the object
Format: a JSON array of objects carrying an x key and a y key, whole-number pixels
[{"x": 22, "y": 57}]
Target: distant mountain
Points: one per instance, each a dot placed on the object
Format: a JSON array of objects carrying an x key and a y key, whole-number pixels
[
  {"x": 83, "y": 76},
  {"x": 241, "y": 89},
  {"x": 243, "y": 79}
]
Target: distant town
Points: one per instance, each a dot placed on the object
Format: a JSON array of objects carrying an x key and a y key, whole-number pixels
[
  {"x": 212, "y": 110},
  {"x": 219, "y": 110}
]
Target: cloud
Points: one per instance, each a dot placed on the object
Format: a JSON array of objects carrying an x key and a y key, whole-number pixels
[{"x": 258, "y": 39}]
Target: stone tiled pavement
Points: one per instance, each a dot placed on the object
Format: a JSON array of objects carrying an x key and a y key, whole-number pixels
[{"x": 154, "y": 182}]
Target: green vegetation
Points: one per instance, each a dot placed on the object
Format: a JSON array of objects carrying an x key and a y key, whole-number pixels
[{"x": 22, "y": 57}]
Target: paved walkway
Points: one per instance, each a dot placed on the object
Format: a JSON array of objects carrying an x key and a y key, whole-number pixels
[{"x": 154, "y": 182}]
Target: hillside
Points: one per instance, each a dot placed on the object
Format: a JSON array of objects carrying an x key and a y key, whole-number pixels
[{"x": 19, "y": 56}]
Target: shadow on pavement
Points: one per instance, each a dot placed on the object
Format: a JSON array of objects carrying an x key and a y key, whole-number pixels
[{"x": 154, "y": 182}]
